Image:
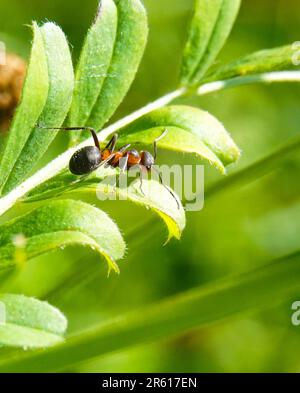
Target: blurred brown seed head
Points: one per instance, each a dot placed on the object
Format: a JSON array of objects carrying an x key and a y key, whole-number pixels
[{"x": 12, "y": 76}]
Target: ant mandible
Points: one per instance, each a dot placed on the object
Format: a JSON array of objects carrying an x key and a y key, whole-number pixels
[{"x": 89, "y": 158}]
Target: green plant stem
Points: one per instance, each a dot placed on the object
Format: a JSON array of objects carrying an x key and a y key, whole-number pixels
[
  {"x": 256, "y": 170},
  {"x": 256, "y": 290},
  {"x": 269, "y": 77},
  {"x": 59, "y": 163}
]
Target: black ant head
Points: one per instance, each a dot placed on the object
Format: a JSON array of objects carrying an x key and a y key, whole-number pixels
[
  {"x": 85, "y": 160},
  {"x": 147, "y": 159}
]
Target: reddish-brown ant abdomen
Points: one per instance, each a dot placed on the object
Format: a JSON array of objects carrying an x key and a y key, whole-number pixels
[{"x": 134, "y": 158}]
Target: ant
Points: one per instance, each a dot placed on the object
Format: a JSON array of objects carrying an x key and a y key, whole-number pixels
[{"x": 89, "y": 158}]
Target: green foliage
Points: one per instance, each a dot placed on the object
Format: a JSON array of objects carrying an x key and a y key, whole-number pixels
[
  {"x": 152, "y": 196},
  {"x": 107, "y": 66},
  {"x": 60, "y": 223},
  {"x": 189, "y": 130},
  {"x": 33, "y": 101},
  {"x": 210, "y": 27},
  {"x": 94, "y": 63},
  {"x": 254, "y": 290},
  {"x": 129, "y": 45},
  {"x": 30, "y": 323},
  {"x": 256, "y": 170},
  {"x": 61, "y": 83},
  {"x": 256, "y": 63}
]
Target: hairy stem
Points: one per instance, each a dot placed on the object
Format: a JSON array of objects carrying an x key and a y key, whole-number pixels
[
  {"x": 269, "y": 77},
  {"x": 59, "y": 163}
]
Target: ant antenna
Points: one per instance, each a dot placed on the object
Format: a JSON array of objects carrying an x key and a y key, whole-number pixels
[
  {"x": 92, "y": 131},
  {"x": 157, "y": 140}
]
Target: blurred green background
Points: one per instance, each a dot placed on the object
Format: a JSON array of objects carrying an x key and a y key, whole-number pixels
[{"x": 236, "y": 231}]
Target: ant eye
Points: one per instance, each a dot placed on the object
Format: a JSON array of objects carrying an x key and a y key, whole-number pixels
[{"x": 85, "y": 160}]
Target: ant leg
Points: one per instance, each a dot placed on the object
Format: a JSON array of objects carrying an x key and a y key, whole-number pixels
[
  {"x": 112, "y": 155},
  {"x": 119, "y": 151},
  {"x": 112, "y": 143},
  {"x": 157, "y": 140},
  {"x": 122, "y": 166},
  {"x": 141, "y": 179},
  {"x": 123, "y": 163},
  {"x": 166, "y": 187},
  {"x": 92, "y": 131}
]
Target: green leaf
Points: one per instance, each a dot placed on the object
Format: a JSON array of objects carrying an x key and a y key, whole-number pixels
[
  {"x": 94, "y": 63},
  {"x": 58, "y": 224},
  {"x": 267, "y": 60},
  {"x": 131, "y": 38},
  {"x": 30, "y": 323},
  {"x": 210, "y": 27},
  {"x": 3, "y": 139},
  {"x": 189, "y": 130},
  {"x": 61, "y": 83},
  {"x": 250, "y": 292},
  {"x": 202, "y": 25},
  {"x": 154, "y": 196},
  {"x": 33, "y": 100}
]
